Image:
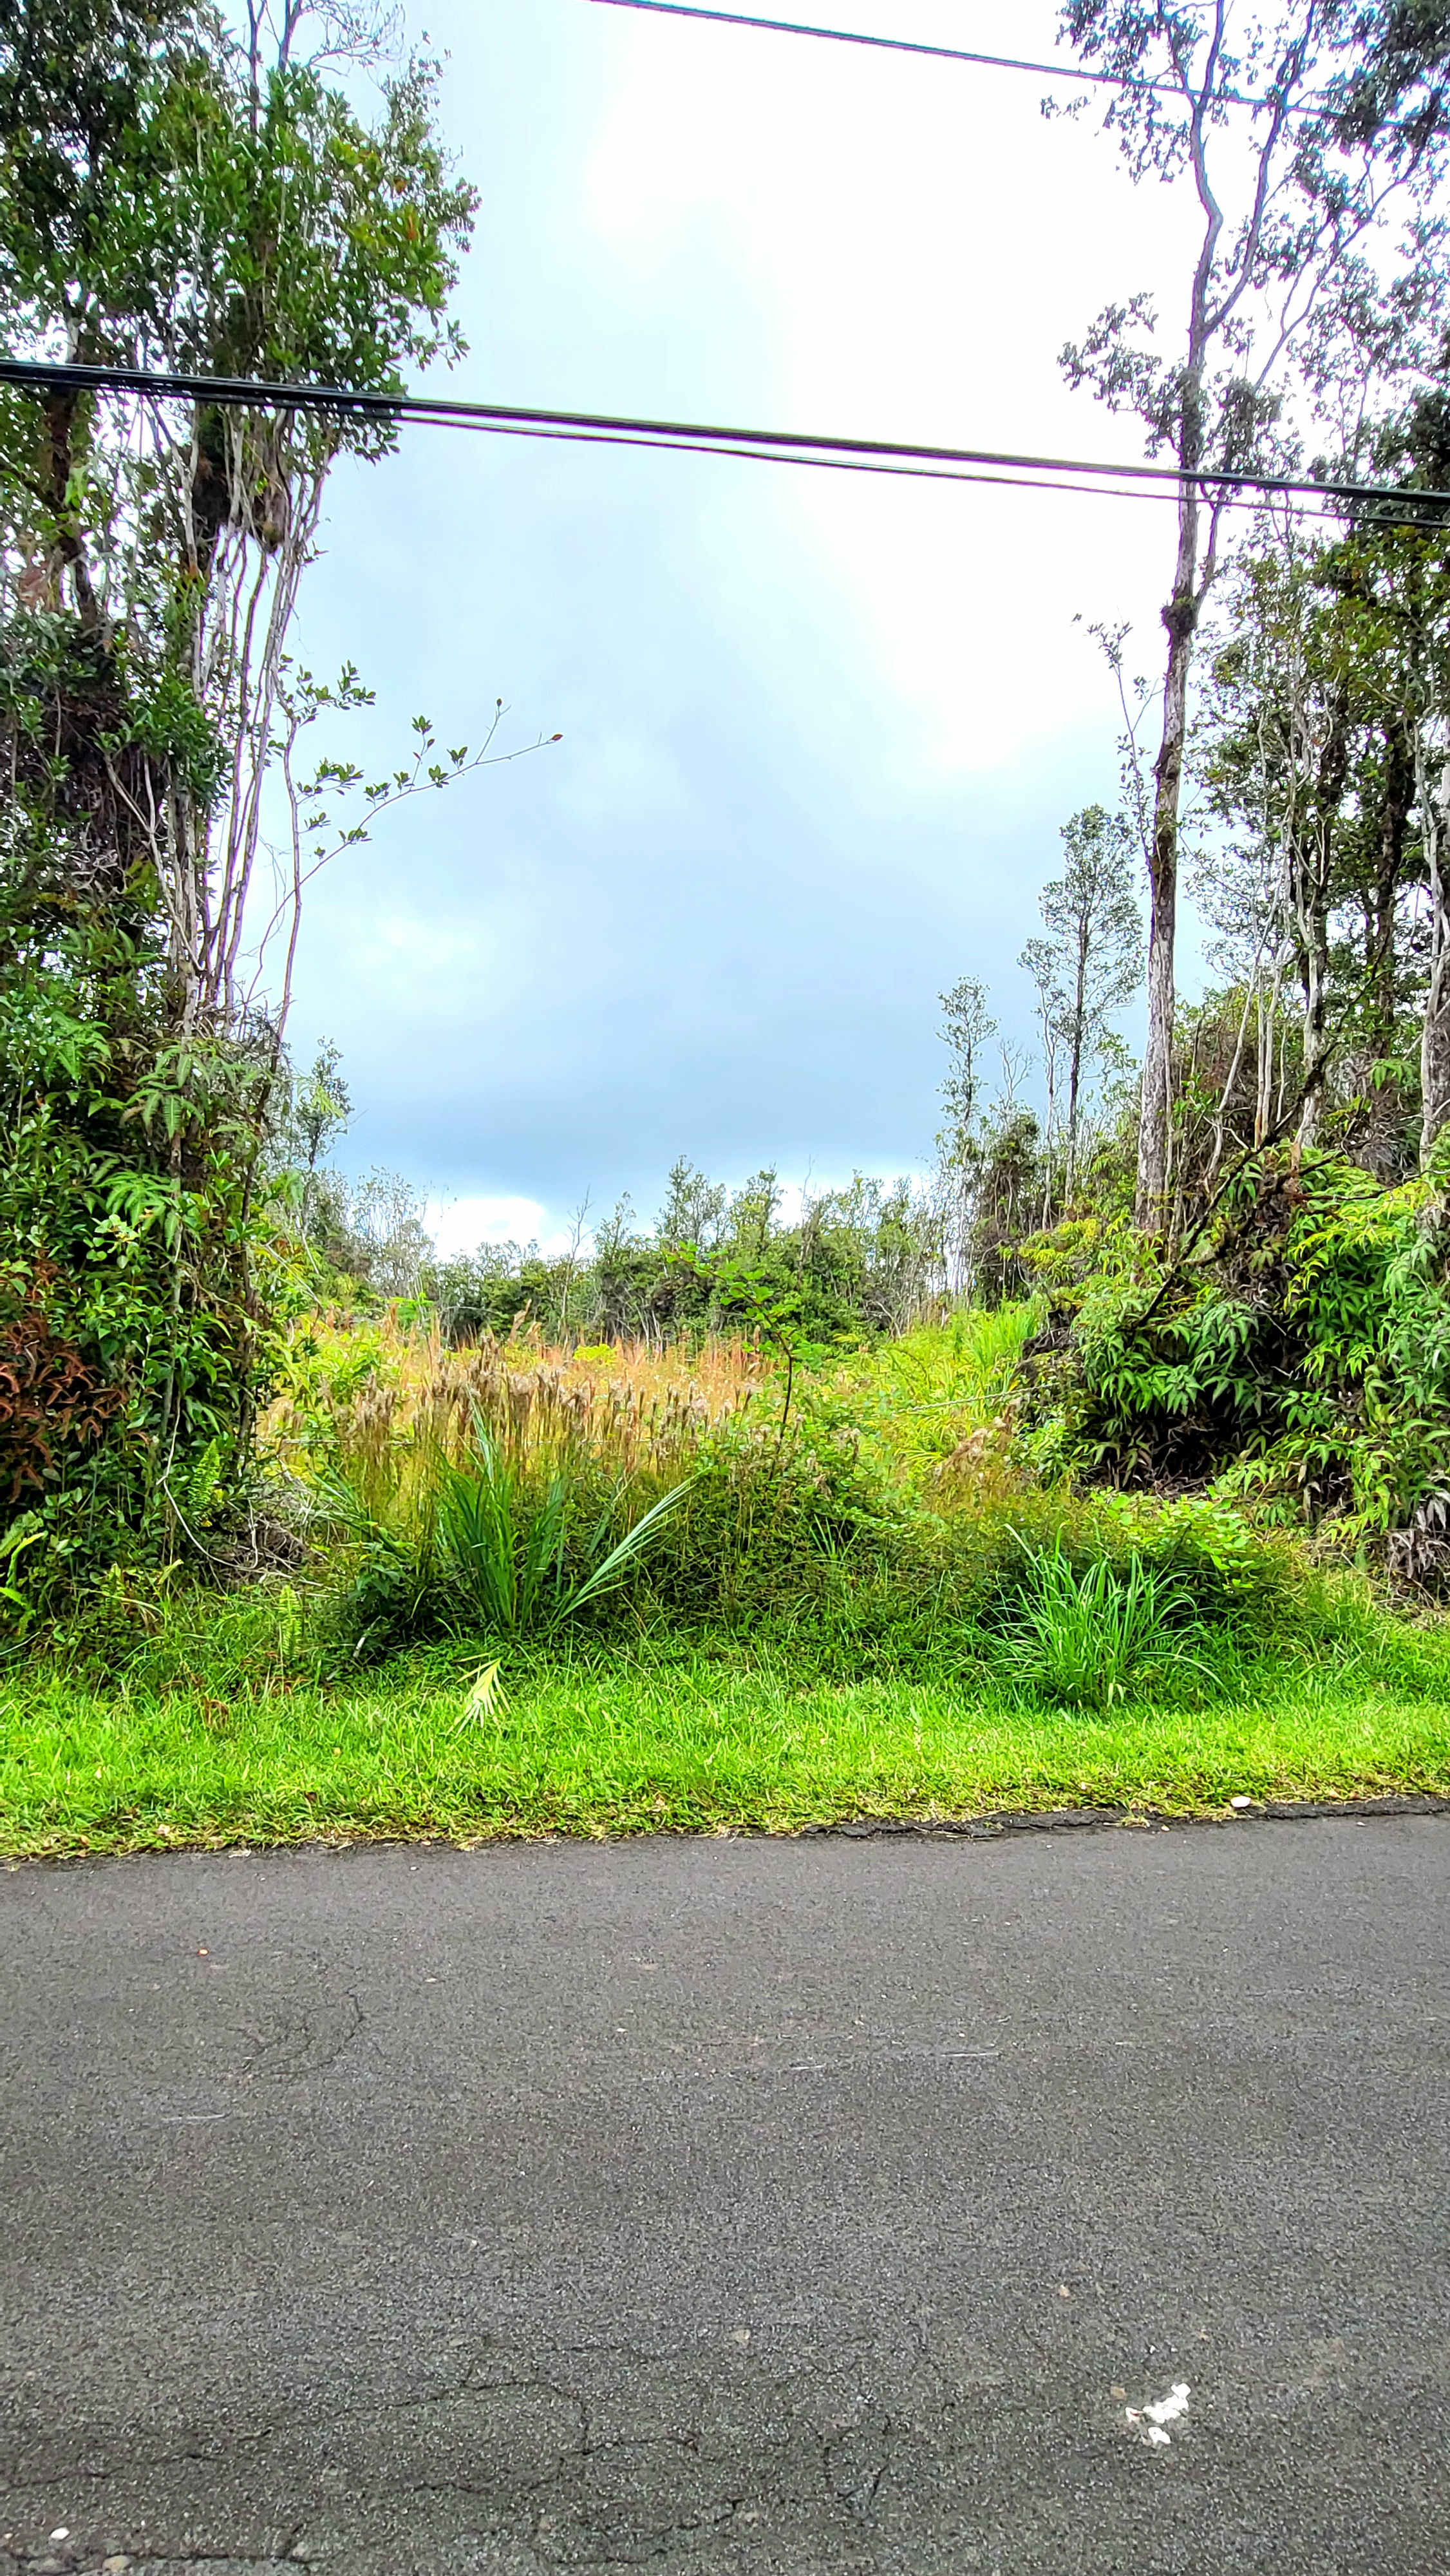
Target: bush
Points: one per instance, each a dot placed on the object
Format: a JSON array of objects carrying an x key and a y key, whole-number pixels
[{"x": 1302, "y": 1360}]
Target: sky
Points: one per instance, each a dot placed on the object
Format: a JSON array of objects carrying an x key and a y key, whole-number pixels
[{"x": 820, "y": 732}]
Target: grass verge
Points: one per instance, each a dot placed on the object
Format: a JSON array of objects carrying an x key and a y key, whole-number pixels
[{"x": 689, "y": 1747}]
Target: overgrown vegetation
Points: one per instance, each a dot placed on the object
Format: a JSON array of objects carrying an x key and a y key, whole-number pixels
[
  {"x": 1107, "y": 1461},
  {"x": 882, "y": 1612},
  {"x": 175, "y": 197}
]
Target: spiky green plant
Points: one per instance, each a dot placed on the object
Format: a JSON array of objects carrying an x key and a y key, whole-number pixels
[
  {"x": 485, "y": 1542},
  {"x": 1094, "y": 1637},
  {"x": 503, "y": 1541}
]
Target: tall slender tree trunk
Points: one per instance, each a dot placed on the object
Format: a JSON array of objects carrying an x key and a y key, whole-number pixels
[
  {"x": 1312, "y": 875},
  {"x": 1316, "y": 1000},
  {"x": 1191, "y": 583},
  {"x": 1310, "y": 863},
  {"x": 1155, "y": 1119},
  {"x": 1381, "y": 912},
  {"x": 1435, "y": 1035},
  {"x": 1075, "y": 1056},
  {"x": 1270, "y": 1019},
  {"x": 1050, "y": 1137},
  {"x": 1190, "y": 586}
]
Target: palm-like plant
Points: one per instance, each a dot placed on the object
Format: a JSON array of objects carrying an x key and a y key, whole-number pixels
[{"x": 502, "y": 1541}]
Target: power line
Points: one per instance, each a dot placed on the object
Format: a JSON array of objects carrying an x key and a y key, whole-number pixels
[
  {"x": 872, "y": 455},
  {"x": 882, "y": 44},
  {"x": 842, "y": 464},
  {"x": 980, "y": 480},
  {"x": 943, "y": 53}
]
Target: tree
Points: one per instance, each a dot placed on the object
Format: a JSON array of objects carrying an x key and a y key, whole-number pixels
[
  {"x": 225, "y": 215},
  {"x": 1284, "y": 723},
  {"x": 1007, "y": 1200},
  {"x": 168, "y": 198},
  {"x": 969, "y": 1024},
  {"x": 1325, "y": 737},
  {"x": 315, "y": 1109},
  {"x": 1241, "y": 896},
  {"x": 1091, "y": 961},
  {"x": 383, "y": 1233},
  {"x": 1040, "y": 961},
  {"x": 1405, "y": 570},
  {"x": 320, "y": 1106},
  {"x": 1301, "y": 133},
  {"x": 693, "y": 1208}
]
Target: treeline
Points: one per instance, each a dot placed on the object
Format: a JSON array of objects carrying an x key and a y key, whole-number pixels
[{"x": 850, "y": 1264}]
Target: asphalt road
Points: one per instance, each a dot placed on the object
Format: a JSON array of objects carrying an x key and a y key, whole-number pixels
[{"x": 720, "y": 2206}]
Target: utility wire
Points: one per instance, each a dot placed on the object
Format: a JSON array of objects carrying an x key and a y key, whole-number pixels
[
  {"x": 872, "y": 455},
  {"x": 841, "y": 464},
  {"x": 1301, "y": 507},
  {"x": 941, "y": 53}
]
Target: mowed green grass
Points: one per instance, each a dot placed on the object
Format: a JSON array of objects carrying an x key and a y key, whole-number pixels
[{"x": 689, "y": 1747}]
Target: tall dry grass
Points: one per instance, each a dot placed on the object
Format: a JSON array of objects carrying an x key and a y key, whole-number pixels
[{"x": 636, "y": 1412}]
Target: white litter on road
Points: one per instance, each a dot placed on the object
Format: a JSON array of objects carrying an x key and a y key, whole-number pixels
[{"x": 1148, "y": 2422}]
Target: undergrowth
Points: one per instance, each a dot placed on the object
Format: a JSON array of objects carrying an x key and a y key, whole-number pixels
[
  {"x": 871, "y": 1515},
  {"x": 583, "y": 1743},
  {"x": 523, "y": 1590}
]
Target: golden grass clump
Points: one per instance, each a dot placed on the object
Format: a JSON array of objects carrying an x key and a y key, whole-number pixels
[{"x": 390, "y": 1414}]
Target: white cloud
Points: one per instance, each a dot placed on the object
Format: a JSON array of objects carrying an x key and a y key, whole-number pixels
[{"x": 462, "y": 1225}]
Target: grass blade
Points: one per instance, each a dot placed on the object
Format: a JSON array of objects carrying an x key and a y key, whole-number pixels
[{"x": 606, "y": 1575}]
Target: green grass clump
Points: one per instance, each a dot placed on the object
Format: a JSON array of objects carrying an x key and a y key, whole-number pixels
[{"x": 1095, "y": 1638}]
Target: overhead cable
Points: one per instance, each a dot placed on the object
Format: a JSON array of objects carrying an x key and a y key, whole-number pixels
[
  {"x": 795, "y": 447},
  {"x": 947, "y": 53}
]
